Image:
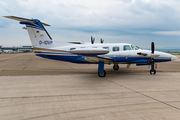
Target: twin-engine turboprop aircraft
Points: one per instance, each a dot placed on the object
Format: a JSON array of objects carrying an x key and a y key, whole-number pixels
[{"x": 99, "y": 53}]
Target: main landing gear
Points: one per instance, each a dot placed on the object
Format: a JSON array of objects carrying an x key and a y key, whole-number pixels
[
  {"x": 116, "y": 67},
  {"x": 102, "y": 74},
  {"x": 101, "y": 71}
]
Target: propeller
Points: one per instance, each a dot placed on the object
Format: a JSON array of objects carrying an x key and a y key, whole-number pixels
[
  {"x": 152, "y": 71},
  {"x": 92, "y": 40},
  {"x": 152, "y": 47},
  {"x": 101, "y": 40}
]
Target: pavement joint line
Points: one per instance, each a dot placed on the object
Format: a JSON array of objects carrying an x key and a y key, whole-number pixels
[
  {"x": 145, "y": 95},
  {"x": 71, "y": 111},
  {"x": 86, "y": 109},
  {"x": 81, "y": 94},
  {"x": 105, "y": 94},
  {"x": 26, "y": 65},
  {"x": 61, "y": 95},
  {"x": 69, "y": 66}
]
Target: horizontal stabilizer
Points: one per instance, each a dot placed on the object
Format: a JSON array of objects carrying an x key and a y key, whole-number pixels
[
  {"x": 75, "y": 42},
  {"x": 24, "y": 20}
]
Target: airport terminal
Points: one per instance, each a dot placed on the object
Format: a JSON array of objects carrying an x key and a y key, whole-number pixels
[{"x": 16, "y": 49}]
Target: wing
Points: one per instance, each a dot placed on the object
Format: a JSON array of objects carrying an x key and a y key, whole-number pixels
[
  {"x": 96, "y": 59},
  {"x": 92, "y": 54}
]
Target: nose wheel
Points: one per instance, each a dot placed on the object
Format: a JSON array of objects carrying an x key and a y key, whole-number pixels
[
  {"x": 116, "y": 67},
  {"x": 152, "y": 72}
]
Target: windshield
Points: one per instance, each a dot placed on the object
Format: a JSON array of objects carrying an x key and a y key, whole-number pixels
[{"x": 134, "y": 47}]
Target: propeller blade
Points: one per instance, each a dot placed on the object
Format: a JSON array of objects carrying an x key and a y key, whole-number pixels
[
  {"x": 152, "y": 47},
  {"x": 102, "y": 41},
  {"x": 92, "y": 40}
]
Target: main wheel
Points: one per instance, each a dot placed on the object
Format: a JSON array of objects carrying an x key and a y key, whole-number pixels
[
  {"x": 152, "y": 72},
  {"x": 116, "y": 67},
  {"x": 102, "y": 74}
]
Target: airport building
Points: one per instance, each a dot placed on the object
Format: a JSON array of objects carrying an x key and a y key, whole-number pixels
[{"x": 16, "y": 49}]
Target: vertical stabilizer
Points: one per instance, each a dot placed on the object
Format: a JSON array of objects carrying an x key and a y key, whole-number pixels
[{"x": 37, "y": 33}]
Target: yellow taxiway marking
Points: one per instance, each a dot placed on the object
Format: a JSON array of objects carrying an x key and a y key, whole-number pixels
[
  {"x": 46, "y": 70},
  {"x": 92, "y": 71}
]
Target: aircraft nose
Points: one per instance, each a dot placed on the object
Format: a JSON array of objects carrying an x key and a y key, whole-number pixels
[{"x": 173, "y": 57}]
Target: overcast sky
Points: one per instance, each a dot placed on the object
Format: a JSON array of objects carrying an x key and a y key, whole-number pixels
[{"x": 139, "y": 22}]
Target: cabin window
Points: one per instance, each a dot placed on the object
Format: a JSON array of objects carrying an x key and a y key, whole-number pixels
[
  {"x": 116, "y": 48},
  {"x": 72, "y": 48},
  {"x": 106, "y": 48},
  {"x": 127, "y": 47}
]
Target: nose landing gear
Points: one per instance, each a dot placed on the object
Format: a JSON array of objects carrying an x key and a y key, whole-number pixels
[{"x": 152, "y": 71}]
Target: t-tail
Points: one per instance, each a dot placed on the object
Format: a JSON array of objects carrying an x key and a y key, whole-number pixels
[{"x": 40, "y": 38}]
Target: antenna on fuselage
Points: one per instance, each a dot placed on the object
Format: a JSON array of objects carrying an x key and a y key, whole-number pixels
[{"x": 92, "y": 40}]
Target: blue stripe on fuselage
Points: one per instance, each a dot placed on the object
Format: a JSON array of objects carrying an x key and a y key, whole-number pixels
[
  {"x": 53, "y": 53},
  {"x": 74, "y": 59},
  {"x": 80, "y": 59}
]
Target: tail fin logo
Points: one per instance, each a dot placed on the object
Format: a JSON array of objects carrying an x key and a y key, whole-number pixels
[{"x": 45, "y": 42}]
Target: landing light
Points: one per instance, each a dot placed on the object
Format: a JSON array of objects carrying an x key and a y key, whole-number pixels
[
  {"x": 24, "y": 28},
  {"x": 144, "y": 54}
]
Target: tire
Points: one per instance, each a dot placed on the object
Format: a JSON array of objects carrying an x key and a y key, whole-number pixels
[
  {"x": 152, "y": 72},
  {"x": 102, "y": 74},
  {"x": 116, "y": 67}
]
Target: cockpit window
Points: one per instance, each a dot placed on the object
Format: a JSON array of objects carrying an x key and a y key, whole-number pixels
[
  {"x": 134, "y": 47},
  {"x": 127, "y": 47},
  {"x": 72, "y": 48},
  {"x": 116, "y": 48},
  {"x": 106, "y": 48}
]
